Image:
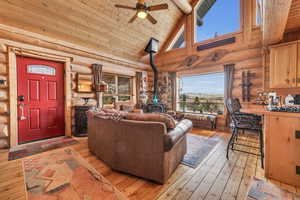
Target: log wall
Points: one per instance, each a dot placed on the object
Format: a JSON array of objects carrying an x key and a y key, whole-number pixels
[
  {"x": 245, "y": 53},
  {"x": 82, "y": 59}
]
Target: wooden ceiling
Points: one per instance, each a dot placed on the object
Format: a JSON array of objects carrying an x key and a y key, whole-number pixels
[
  {"x": 294, "y": 16},
  {"x": 91, "y": 23}
]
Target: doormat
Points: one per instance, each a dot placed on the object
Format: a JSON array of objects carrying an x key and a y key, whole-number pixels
[
  {"x": 261, "y": 190},
  {"x": 39, "y": 147},
  {"x": 198, "y": 148},
  {"x": 63, "y": 174}
]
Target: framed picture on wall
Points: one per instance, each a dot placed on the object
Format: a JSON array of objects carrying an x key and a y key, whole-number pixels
[{"x": 84, "y": 83}]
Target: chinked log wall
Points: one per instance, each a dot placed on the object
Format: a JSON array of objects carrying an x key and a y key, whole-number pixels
[
  {"x": 82, "y": 59},
  {"x": 245, "y": 53}
]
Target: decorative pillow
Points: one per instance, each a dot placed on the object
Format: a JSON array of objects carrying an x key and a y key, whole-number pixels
[
  {"x": 153, "y": 117},
  {"x": 126, "y": 108},
  {"x": 109, "y": 115},
  {"x": 106, "y": 110}
]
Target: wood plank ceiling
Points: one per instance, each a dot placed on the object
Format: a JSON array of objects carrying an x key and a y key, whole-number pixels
[
  {"x": 294, "y": 16},
  {"x": 91, "y": 23}
]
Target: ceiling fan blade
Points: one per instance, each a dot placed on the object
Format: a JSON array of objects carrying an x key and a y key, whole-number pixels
[
  {"x": 151, "y": 19},
  {"x": 133, "y": 18},
  {"x": 126, "y": 7},
  {"x": 158, "y": 7}
]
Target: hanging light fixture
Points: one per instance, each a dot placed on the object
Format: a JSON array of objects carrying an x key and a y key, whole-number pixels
[{"x": 142, "y": 14}]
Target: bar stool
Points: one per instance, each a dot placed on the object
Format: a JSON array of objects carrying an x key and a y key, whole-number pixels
[{"x": 244, "y": 122}]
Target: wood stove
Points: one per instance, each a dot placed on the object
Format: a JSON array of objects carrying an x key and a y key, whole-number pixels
[{"x": 155, "y": 106}]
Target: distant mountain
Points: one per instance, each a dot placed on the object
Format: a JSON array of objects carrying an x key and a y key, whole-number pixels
[{"x": 202, "y": 95}]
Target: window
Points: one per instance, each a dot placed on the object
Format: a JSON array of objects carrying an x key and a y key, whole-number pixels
[
  {"x": 179, "y": 41},
  {"x": 41, "y": 69},
  {"x": 119, "y": 88},
  {"x": 217, "y": 17},
  {"x": 203, "y": 93},
  {"x": 258, "y": 12}
]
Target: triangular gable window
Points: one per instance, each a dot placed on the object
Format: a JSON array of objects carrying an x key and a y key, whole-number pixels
[
  {"x": 178, "y": 41},
  {"x": 258, "y": 12},
  {"x": 216, "y": 17}
]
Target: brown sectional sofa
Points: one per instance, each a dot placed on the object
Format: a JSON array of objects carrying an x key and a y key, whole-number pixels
[{"x": 141, "y": 148}]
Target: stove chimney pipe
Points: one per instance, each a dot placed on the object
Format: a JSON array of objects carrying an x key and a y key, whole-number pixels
[{"x": 152, "y": 48}]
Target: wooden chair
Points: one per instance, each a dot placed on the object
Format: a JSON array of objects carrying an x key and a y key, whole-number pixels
[{"x": 244, "y": 122}]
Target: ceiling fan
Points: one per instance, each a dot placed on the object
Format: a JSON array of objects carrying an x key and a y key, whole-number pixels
[{"x": 143, "y": 11}]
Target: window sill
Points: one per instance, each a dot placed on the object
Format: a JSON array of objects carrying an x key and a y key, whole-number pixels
[{"x": 218, "y": 115}]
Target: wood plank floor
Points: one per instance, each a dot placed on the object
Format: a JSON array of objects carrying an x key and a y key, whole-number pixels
[{"x": 215, "y": 178}]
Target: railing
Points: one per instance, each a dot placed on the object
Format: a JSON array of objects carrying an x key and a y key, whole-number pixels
[{"x": 201, "y": 107}]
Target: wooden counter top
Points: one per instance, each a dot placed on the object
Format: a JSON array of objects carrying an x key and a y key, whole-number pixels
[{"x": 263, "y": 111}]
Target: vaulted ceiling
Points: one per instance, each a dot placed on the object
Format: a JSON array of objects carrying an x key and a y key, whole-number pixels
[{"x": 91, "y": 23}]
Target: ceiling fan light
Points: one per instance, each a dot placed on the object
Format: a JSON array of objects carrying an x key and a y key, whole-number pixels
[{"x": 142, "y": 14}]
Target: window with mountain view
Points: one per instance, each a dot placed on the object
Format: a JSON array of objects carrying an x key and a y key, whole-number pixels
[
  {"x": 203, "y": 93},
  {"x": 216, "y": 18}
]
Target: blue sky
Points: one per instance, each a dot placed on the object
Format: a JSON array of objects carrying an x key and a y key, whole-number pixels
[
  {"x": 223, "y": 18},
  {"x": 205, "y": 83}
]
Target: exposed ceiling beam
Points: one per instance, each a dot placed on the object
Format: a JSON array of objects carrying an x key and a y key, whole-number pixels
[
  {"x": 183, "y": 5},
  {"x": 275, "y": 16}
]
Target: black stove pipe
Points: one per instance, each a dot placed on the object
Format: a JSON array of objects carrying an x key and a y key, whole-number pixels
[{"x": 154, "y": 68}]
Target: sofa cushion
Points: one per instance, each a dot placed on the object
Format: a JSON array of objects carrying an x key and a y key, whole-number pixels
[
  {"x": 106, "y": 114},
  {"x": 168, "y": 120},
  {"x": 127, "y": 108},
  {"x": 175, "y": 134}
]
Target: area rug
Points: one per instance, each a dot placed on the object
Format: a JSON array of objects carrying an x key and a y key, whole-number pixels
[
  {"x": 262, "y": 190},
  {"x": 39, "y": 147},
  {"x": 198, "y": 148},
  {"x": 63, "y": 174}
]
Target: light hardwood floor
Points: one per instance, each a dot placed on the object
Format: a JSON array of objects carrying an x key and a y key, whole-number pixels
[{"x": 214, "y": 179}]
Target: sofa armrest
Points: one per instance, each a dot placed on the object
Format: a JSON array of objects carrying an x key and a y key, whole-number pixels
[
  {"x": 175, "y": 134},
  {"x": 135, "y": 147}
]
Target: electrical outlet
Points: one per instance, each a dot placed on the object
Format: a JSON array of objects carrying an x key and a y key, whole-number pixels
[
  {"x": 297, "y": 134},
  {"x": 298, "y": 170},
  {"x": 2, "y": 82}
]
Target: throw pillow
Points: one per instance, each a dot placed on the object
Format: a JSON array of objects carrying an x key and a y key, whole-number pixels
[{"x": 153, "y": 117}]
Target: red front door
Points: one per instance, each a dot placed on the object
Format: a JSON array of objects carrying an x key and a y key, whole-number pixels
[{"x": 40, "y": 99}]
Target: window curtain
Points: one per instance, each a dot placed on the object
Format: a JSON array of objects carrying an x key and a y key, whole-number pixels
[
  {"x": 173, "y": 90},
  {"x": 139, "y": 79},
  {"x": 97, "y": 81},
  {"x": 228, "y": 85}
]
